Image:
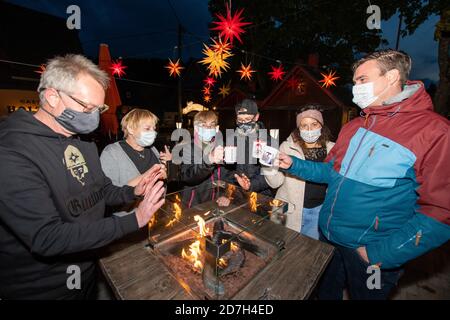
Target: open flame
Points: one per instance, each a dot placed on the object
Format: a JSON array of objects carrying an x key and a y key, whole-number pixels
[
  {"x": 152, "y": 221},
  {"x": 252, "y": 201},
  {"x": 275, "y": 203},
  {"x": 230, "y": 191},
  {"x": 202, "y": 230},
  {"x": 222, "y": 263},
  {"x": 194, "y": 255},
  {"x": 177, "y": 212}
]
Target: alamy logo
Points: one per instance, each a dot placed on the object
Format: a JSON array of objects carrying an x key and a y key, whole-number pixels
[
  {"x": 74, "y": 279},
  {"x": 74, "y": 20},
  {"x": 374, "y": 20},
  {"x": 374, "y": 280}
]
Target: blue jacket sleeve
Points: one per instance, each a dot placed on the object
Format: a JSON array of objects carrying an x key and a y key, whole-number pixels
[
  {"x": 319, "y": 172},
  {"x": 416, "y": 237}
]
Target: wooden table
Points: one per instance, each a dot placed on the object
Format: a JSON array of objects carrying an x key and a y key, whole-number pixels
[{"x": 134, "y": 271}]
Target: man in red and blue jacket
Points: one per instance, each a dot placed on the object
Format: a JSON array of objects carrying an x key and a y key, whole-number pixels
[{"x": 388, "y": 178}]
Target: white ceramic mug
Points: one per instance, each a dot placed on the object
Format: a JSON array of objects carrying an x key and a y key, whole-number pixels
[{"x": 269, "y": 154}]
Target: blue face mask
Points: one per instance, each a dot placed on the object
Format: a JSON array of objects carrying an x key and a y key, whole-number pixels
[
  {"x": 146, "y": 138},
  {"x": 206, "y": 134},
  {"x": 311, "y": 136}
]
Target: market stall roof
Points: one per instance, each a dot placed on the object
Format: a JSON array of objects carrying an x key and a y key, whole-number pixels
[{"x": 308, "y": 90}]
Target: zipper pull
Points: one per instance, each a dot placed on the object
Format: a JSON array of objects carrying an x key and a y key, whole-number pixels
[
  {"x": 418, "y": 237},
  {"x": 371, "y": 151},
  {"x": 376, "y": 223},
  {"x": 365, "y": 121}
]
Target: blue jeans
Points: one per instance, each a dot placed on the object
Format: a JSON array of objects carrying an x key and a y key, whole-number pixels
[{"x": 310, "y": 222}]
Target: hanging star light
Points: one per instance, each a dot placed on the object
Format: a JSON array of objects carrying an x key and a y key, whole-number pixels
[
  {"x": 328, "y": 79},
  {"x": 246, "y": 71},
  {"x": 292, "y": 83},
  {"x": 225, "y": 90},
  {"x": 117, "y": 68},
  {"x": 209, "y": 81},
  {"x": 207, "y": 98},
  {"x": 220, "y": 47},
  {"x": 174, "y": 68},
  {"x": 230, "y": 27},
  {"x": 207, "y": 91},
  {"x": 277, "y": 73},
  {"x": 216, "y": 61},
  {"x": 41, "y": 69}
]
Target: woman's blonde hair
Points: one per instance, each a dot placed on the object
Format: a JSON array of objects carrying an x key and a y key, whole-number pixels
[
  {"x": 203, "y": 116},
  {"x": 133, "y": 118}
]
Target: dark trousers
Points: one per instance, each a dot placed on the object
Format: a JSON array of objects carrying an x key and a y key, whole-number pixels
[{"x": 348, "y": 270}]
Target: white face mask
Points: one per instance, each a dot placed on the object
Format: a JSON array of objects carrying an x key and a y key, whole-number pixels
[
  {"x": 206, "y": 134},
  {"x": 311, "y": 136},
  {"x": 363, "y": 94},
  {"x": 146, "y": 138}
]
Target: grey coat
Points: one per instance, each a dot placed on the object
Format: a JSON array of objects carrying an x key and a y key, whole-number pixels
[
  {"x": 118, "y": 166},
  {"x": 120, "y": 169}
]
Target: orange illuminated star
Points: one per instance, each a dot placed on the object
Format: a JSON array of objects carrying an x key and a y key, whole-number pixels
[
  {"x": 328, "y": 79},
  {"x": 246, "y": 71},
  {"x": 206, "y": 91},
  {"x": 225, "y": 90},
  {"x": 207, "y": 98},
  {"x": 174, "y": 68},
  {"x": 220, "y": 47}
]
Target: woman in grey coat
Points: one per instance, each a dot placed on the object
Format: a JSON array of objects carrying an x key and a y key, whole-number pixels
[{"x": 125, "y": 161}]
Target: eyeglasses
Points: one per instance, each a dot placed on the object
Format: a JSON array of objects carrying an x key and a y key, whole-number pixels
[{"x": 86, "y": 108}]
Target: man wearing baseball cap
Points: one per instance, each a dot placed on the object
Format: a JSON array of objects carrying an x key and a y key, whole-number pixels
[{"x": 247, "y": 171}]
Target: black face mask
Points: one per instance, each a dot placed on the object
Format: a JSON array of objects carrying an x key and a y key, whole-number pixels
[
  {"x": 246, "y": 126},
  {"x": 78, "y": 122}
]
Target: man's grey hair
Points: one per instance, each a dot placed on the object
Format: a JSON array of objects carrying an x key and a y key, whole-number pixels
[{"x": 62, "y": 72}]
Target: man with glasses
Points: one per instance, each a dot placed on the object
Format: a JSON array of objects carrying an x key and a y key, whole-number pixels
[
  {"x": 53, "y": 192},
  {"x": 201, "y": 161}
]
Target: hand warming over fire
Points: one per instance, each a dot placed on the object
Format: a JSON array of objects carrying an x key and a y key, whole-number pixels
[
  {"x": 153, "y": 200},
  {"x": 223, "y": 202},
  {"x": 157, "y": 171},
  {"x": 243, "y": 181}
]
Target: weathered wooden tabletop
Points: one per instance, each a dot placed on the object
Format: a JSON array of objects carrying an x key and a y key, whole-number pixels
[{"x": 136, "y": 272}]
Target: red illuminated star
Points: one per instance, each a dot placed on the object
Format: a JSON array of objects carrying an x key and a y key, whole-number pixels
[
  {"x": 277, "y": 73},
  {"x": 209, "y": 81},
  {"x": 292, "y": 83},
  {"x": 231, "y": 26},
  {"x": 117, "y": 68}
]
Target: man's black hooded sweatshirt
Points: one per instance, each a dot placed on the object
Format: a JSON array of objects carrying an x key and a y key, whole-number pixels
[{"x": 52, "y": 202}]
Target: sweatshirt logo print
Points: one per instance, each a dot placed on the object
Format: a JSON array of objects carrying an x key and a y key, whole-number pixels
[{"x": 75, "y": 163}]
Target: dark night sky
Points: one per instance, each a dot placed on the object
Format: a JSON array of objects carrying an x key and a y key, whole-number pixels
[{"x": 122, "y": 23}]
